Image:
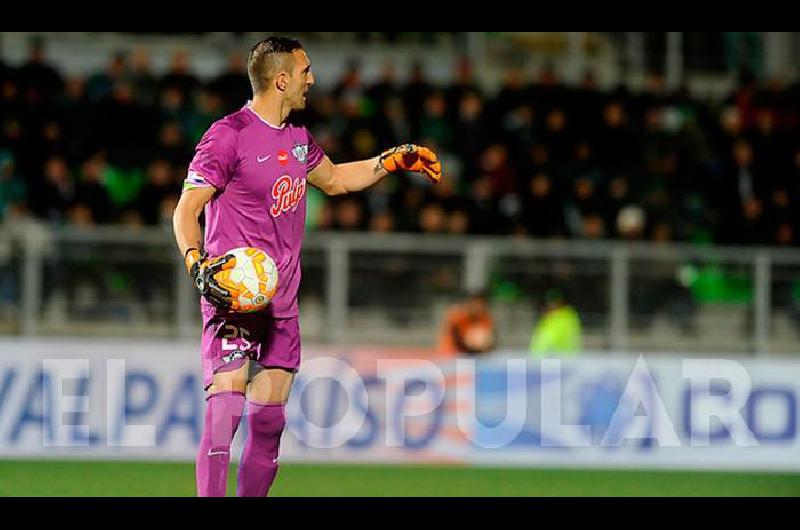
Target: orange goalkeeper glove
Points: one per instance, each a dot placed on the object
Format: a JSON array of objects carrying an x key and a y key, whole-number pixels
[
  {"x": 412, "y": 157},
  {"x": 202, "y": 270}
]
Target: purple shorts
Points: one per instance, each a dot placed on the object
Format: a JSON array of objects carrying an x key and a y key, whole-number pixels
[{"x": 229, "y": 339}]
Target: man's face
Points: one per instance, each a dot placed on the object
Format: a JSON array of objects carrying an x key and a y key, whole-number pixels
[{"x": 300, "y": 80}]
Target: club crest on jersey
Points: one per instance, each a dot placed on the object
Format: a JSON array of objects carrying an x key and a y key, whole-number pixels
[
  {"x": 300, "y": 152},
  {"x": 287, "y": 194},
  {"x": 238, "y": 354}
]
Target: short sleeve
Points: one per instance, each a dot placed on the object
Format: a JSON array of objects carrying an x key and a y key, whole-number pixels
[
  {"x": 214, "y": 158},
  {"x": 315, "y": 154}
]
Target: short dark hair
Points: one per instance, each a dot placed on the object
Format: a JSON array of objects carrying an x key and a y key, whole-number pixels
[{"x": 265, "y": 59}]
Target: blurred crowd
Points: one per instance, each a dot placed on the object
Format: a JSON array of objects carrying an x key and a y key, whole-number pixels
[{"x": 537, "y": 158}]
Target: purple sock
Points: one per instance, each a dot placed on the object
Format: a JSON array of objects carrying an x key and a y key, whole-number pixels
[
  {"x": 223, "y": 412},
  {"x": 259, "y": 463}
]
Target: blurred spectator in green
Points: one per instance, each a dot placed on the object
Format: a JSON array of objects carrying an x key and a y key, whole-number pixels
[
  {"x": 122, "y": 186},
  {"x": 558, "y": 331}
]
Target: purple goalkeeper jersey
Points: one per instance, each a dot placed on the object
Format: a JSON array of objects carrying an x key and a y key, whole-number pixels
[{"x": 259, "y": 172}]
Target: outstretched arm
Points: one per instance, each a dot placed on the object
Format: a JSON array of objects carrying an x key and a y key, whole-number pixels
[{"x": 336, "y": 179}]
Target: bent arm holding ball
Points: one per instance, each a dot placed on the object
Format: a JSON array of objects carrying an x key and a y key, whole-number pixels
[
  {"x": 188, "y": 234},
  {"x": 185, "y": 222}
]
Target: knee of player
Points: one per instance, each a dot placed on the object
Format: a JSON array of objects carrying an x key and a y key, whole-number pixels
[
  {"x": 227, "y": 383},
  {"x": 267, "y": 419}
]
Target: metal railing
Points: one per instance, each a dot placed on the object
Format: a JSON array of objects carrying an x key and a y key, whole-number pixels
[{"x": 393, "y": 289}]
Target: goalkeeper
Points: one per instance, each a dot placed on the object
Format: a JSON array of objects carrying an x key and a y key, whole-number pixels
[{"x": 249, "y": 176}]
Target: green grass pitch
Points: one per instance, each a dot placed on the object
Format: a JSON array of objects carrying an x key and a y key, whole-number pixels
[{"x": 91, "y": 478}]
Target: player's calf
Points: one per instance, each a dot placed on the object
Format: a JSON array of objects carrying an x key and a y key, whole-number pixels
[
  {"x": 259, "y": 464},
  {"x": 266, "y": 419},
  {"x": 224, "y": 407}
]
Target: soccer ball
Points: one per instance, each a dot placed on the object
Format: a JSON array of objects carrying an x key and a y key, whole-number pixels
[{"x": 251, "y": 278}]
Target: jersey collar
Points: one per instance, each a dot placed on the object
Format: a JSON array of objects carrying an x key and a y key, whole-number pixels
[{"x": 247, "y": 106}]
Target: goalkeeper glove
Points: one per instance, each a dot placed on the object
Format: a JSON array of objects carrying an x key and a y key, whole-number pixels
[
  {"x": 412, "y": 157},
  {"x": 202, "y": 270}
]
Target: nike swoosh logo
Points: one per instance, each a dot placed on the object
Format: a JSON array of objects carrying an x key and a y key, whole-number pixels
[
  {"x": 216, "y": 453},
  {"x": 263, "y": 158}
]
